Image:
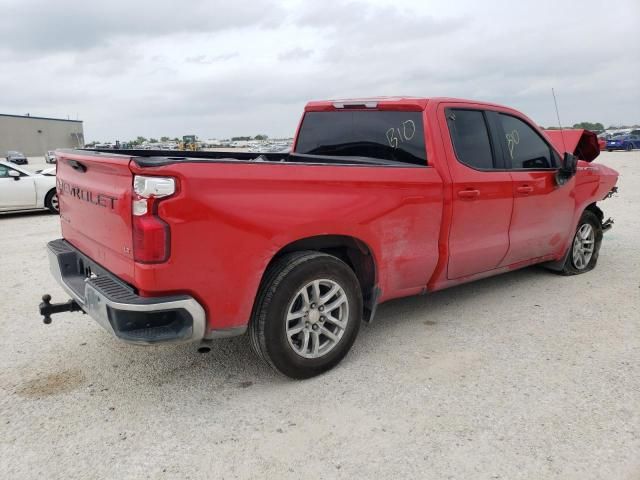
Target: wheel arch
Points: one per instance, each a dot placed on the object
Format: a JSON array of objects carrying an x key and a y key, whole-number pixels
[
  {"x": 592, "y": 207},
  {"x": 351, "y": 250},
  {"x": 558, "y": 265},
  {"x": 43, "y": 186},
  {"x": 47, "y": 193}
]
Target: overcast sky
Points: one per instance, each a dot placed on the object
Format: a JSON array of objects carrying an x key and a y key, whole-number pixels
[{"x": 220, "y": 68}]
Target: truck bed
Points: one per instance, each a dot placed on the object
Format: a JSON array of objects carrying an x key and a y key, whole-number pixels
[
  {"x": 230, "y": 215},
  {"x": 177, "y": 155},
  {"x": 156, "y": 158}
]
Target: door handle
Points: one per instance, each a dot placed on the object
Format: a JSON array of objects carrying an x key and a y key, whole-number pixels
[
  {"x": 469, "y": 193},
  {"x": 526, "y": 189},
  {"x": 77, "y": 166}
]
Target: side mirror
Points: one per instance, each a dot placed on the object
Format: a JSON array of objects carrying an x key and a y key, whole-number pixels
[
  {"x": 15, "y": 174},
  {"x": 567, "y": 169}
]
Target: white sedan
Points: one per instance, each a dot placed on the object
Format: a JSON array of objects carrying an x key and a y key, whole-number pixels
[{"x": 23, "y": 190}]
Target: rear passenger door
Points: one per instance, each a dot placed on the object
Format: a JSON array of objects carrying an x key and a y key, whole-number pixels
[
  {"x": 482, "y": 196},
  {"x": 542, "y": 210}
]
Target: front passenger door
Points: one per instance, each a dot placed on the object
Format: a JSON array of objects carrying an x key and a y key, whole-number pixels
[
  {"x": 542, "y": 210},
  {"x": 16, "y": 192}
]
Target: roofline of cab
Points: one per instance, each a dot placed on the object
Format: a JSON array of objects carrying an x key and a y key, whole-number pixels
[
  {"x": 373, "y": 103},
  {"x": 388, "y": 103}
]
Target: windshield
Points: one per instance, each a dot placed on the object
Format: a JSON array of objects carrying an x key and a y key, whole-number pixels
[{"x": 388, "y": 135}]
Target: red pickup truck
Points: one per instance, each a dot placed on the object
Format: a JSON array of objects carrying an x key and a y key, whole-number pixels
[{"x": 379, "y": 199}]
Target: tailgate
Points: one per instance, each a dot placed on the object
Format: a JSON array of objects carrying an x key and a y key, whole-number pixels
[{"x": 95, "y": 192}]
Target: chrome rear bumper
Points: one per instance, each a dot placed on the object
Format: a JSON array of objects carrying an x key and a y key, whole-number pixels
[{"x": 118, "y": 308}]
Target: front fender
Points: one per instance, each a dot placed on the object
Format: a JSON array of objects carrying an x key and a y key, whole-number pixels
[{"x": 43, "y": 186}]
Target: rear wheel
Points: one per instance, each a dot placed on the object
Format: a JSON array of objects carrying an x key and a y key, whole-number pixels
[
  {"x": 585, "y": 247},
  {"x": 51, "y": 201},
  {"x": 307, "y": 314}
]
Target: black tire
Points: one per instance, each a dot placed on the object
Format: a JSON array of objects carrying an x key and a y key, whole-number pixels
[
  {"x": 267, "y": 329},
  {"x": 629, "y": 147},
  {"x": 609, "y": 150},
  {"x": 51, "y": 201},
  {"x": 570, "y": 267}
]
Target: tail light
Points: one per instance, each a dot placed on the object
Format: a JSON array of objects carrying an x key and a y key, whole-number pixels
[{"x": 151, "y": 235}]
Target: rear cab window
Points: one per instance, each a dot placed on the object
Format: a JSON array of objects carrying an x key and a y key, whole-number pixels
[{"x": 387, "y": 135}]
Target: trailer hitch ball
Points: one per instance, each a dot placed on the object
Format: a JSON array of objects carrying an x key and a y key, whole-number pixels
[
  {"x": 46, "y": 299},
  {"x": 47, "y": 308}
]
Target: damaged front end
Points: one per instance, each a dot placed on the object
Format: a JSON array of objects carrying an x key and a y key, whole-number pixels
[{"x": 608, "y": 223}]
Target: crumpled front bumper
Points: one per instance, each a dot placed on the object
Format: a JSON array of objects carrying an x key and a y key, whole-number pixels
[{"x": 118, "y": 308}]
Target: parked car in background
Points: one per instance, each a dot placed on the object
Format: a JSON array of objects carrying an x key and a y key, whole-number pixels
[
  {"x": 16, "y": 157},
  {"x": 50, "y": 156},
  {"x": 51, "y": 171},
  {"x": 23, "y": 190},
  {"x": 623, "y": 142},
  {"x": 602, "y": 142}
]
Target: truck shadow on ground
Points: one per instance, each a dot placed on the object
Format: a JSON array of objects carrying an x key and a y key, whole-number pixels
[
  {"x": 24, "y": 214},
  {"x": 231, "y": 361},
  {"x": 454, "y": 301},
  {"x": 106, "y": 365}
]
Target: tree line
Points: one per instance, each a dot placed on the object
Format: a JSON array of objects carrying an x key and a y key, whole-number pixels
[
  {"x": 139, "y": 140},
  {"x": 596, "y": 127}
]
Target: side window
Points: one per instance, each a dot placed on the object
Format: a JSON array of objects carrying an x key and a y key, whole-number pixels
[
  {"x": 4, "y": 171},
  {"x": 470, "y": 138},
  {"x": 525, "y": 148}
]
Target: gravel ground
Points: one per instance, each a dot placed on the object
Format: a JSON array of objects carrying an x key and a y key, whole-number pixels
[{"x": 525, "y": 375}]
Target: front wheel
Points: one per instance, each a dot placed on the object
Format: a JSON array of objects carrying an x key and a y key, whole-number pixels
[
  {"x": 307, "y": 314},
  {"x": 51, "y": 202},
  {"x": 585, "y": 247},
  {"x": 629, "y": 147}
]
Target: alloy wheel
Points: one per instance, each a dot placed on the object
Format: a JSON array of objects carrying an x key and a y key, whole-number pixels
[
  {"x": 54, "y": 202},
  {"x": 317, "y": 317},
  {"x": 583, "y": 246}
]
